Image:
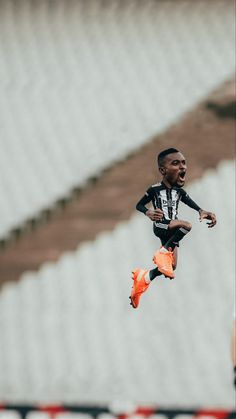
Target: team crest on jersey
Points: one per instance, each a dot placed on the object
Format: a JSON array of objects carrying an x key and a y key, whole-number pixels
[{"x": 168, "y": 203}]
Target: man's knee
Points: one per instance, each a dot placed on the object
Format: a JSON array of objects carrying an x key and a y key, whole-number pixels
[
  {"x": 175, "y": 224},
  {"x": 187, "y": 225}
]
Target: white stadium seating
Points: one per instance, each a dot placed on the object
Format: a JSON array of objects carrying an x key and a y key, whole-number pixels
[
  {"x": 83, "y": 84},
  {"x": 68, "y": 334}
]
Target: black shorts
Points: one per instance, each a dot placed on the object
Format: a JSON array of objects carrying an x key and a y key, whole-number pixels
[{"x": 161, "y": 230}]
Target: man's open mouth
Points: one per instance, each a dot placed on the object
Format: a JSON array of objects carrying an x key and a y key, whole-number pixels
[{"x": 182, "y": 175}]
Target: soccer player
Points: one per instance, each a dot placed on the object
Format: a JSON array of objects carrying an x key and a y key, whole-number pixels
[{"x": 165, "y": 197}]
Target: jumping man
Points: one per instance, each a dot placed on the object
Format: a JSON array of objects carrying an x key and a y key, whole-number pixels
[{"x": 165, "y": 197}]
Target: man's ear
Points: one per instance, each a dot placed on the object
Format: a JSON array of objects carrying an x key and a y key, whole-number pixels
[{"x": 162, "y": 170}]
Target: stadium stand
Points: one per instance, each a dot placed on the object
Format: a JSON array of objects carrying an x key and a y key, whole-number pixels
[
  {"x": 68, "y": 334},
  {"x": 85, "y": 84},
  {"x": 112, "y": 198}
]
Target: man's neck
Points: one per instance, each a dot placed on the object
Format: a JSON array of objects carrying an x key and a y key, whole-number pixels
[{"x": 167, "y": 184}]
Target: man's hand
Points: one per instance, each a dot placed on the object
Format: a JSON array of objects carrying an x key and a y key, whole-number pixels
[
  {"x": 155, "y": 215},
  {"x": 206, "y": 215}
]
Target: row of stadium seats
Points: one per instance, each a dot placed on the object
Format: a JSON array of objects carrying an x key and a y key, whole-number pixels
[
  {"x": 83, "y": 85},
  {"x": 67, "y": 333}
]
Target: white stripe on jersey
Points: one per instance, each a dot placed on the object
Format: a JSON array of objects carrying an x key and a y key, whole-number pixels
[
  {"x": 175, "y": 198},
  {"x": 164, "y": 203}
]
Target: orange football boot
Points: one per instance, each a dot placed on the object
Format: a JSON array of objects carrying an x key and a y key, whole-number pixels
[
  {"x": 164, "y": 261},
  {"x": 139, "y": 286}
]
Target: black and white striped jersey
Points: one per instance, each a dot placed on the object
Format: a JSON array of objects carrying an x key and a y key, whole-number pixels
[{"x": 167, "y": 199}]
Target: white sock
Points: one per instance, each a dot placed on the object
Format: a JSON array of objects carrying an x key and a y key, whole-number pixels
[
  {"x": 147, "y": 278},
  {"x": 163, "y": 250}
]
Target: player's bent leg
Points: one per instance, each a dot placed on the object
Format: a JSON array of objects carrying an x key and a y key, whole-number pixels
[
  {"x": 176, "y": 224},
  {"x": 176, "y": 234},
  {"x": 139, "y": 286}
]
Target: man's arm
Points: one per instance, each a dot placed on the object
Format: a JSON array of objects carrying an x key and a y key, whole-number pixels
[
  {"x": 155, "y": 214},
  {"x": 141, "y": 205},
  {"x": 203, "y": 215},
  {"x": 188, "y": 201}
]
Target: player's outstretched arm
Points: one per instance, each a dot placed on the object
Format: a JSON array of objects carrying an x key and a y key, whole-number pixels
[{"x": 206, "y": 215}]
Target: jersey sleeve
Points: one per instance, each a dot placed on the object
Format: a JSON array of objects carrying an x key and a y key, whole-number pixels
[
  {"x": 144, "y": 201},
  {"x": 185, "y": 198}
]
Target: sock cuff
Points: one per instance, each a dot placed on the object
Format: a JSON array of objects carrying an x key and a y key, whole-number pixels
[{"x": 184, "y": 230}]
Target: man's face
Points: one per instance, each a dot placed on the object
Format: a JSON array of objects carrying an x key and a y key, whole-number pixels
[{"x": 174, "y": 170}]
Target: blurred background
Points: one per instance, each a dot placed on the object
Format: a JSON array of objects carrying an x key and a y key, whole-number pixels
[{"x": 90, "y": 92}]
